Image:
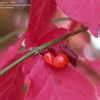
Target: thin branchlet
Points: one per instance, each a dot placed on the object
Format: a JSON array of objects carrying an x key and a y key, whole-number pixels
[{"x": 37, "y": 50}]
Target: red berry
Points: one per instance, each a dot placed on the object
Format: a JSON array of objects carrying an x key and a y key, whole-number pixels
[
  {"x": 48, "y": 57},
  {"x": 60, "y": 61}
]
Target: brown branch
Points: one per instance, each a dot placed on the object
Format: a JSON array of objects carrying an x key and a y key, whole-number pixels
[{"x": 37, "y": 50}]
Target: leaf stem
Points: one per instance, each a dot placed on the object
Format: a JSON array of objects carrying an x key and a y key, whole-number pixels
[{"x": 37, "y": 50}]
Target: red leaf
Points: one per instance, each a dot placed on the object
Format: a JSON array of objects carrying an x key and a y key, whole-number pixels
[
  {"x": 53, "y": 34},
  {"x": 41, "y": 14},
  {"x": 11, "y": 85},
  {"x": 49, "y": 84},
  {"x": 41, "y": 81},
  {"x": 96, "y": 66},
  {"x": 86, "y": 12},
  {"x": 10, "y": 53}
]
